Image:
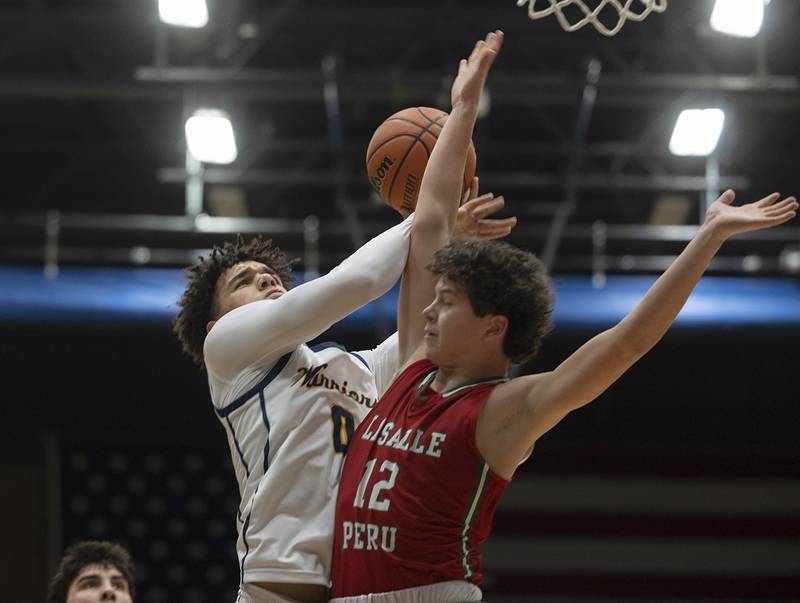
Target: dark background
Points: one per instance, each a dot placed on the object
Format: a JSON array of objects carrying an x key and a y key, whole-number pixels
[
  {"x": 106, "y": 430},
  {"x": 79, "y": 430}
]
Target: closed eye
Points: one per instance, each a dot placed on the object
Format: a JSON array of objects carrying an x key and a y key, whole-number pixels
[{"x": 89, "y": 582}]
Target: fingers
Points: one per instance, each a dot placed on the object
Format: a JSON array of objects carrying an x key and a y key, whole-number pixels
[
  {"x": 472, "y": 203},
  {"x": 505, "y": 223},
  {"x": 488, "y": 207},
  {"x": 486, "y": 50},
  {"x": 470, "y": 193},
  {"x": 495, "y": 229},
  {"x": 465, "y": 197},
  {"x": 790, "y": 203},
  {"x": 476, "y": 50},
  {"x": 768, "y": 200},
  {"x": 779, "y": 213},
  {"x": 486, "y": 204},
  {"x": 494, "y": 41}
]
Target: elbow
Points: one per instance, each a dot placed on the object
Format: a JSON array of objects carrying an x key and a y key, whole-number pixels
[
  {"x": 632, "y": 344},
  {"x": 375, "y": 283},
  {"x": 432, "y": 226}
]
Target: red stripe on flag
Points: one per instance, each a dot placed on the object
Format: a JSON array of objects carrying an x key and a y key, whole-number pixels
[{"x": 646, "y": 526}]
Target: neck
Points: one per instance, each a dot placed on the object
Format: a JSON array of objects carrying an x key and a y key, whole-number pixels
[{"x": 451, "y": 376}]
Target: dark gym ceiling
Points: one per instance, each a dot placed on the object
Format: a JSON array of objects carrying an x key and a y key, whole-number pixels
[{"x": 93, "y": 96}]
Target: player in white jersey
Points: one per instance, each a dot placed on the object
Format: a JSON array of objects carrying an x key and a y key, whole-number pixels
[{"x": 287, "y": 409}]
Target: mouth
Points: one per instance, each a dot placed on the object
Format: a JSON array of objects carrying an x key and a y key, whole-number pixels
[
  {"x": 429, "y": 334},
  {"x": 273, "y": 294}
]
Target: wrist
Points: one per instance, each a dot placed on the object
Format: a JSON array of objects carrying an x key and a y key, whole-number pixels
[
  {"x": 465, "y": 108},
  {"x": 713, "y": 231}
]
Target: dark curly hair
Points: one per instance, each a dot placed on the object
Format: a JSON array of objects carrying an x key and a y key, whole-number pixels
[
  {"x": 84, "y": 554},
  {"x": 504, "y": 280},
  {"x": 197, "y": 305}
]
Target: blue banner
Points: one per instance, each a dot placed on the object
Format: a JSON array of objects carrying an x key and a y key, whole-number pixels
[{"x": 149, "y": 295}]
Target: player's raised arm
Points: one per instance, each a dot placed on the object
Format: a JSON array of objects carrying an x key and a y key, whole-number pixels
[
  {"x": 540, "y": 401},
  {"x": 262, "y": 331},
  {"x": 440, "y": 191}
]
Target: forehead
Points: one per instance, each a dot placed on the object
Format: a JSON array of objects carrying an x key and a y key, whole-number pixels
[
  {"x": 248, "y": 265},
  {"x": 236, "y": 269},
  {"x": 445, "y": 285}
]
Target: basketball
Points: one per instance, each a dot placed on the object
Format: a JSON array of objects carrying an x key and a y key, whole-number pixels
[{"x": 398, "y": 153}]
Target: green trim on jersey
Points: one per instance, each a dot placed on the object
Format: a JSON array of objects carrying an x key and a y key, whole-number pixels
[
  {"x": 426, "y": 381},
  {"x": 469, "y": 516},
  {"x": 463, "y": 386},
  {"x": 432, "y": 375}
]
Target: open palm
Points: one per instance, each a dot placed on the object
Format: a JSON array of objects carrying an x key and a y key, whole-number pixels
[{"x": 764, "y": 213}]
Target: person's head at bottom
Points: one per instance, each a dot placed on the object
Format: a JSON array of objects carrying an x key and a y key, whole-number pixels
[
  {"x": 91, "y": 572},
  {"x": 493, "y": 305}
]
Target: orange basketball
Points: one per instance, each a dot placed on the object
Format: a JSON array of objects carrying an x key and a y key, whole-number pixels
[{"x": 399, "y": 151}]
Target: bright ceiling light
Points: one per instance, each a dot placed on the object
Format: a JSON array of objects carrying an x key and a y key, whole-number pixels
[
  {"x": 738, "y": 17},
  {"x": 209, "y": 134},
  {"x": 697, "y": 132},
  {"x": 183, "y": 13}
]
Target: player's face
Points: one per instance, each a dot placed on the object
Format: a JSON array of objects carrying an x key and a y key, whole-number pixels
[
  {"x": 244, "y": 283},
  {"x": 96, "y": 583},
  {"x": 450, "y": 325}
]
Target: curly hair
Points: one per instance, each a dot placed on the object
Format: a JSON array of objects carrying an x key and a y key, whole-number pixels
[
  {"x": 84, "y": 554},
  {"x": 197, "y": 305},
  {"x": 504, "y": 280}
]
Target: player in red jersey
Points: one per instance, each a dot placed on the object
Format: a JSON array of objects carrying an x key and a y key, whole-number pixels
[{"x": 425, "y": 470}]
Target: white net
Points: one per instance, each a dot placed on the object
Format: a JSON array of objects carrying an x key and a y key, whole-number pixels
[{"x": 633, "y": 10}]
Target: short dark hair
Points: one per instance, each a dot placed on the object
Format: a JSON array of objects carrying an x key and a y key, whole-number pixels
[
  {"x": 504, "y": 280},
  {"x": 197, "y": 302},
  {"x": 84, "y": 554}
]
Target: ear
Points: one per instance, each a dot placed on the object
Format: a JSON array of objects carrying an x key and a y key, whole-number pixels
[
  {"x": 497, "y": 326},
  {"x": 209, "y": 325}
]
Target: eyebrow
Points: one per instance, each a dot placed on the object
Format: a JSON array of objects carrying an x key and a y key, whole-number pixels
[
  {"x": 239, "y": 276},
  {"x": 97, "y": 576}
]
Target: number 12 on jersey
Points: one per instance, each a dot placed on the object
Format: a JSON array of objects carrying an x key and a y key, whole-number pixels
[{"x": 376, "y": 503}]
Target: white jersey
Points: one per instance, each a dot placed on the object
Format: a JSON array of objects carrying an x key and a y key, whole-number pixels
[
  {"x": 287, "y": 435},
  {"x": 288, "y": 410}
]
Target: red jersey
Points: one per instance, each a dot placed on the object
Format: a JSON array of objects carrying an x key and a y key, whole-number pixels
[{"x": 416, "y": 498}]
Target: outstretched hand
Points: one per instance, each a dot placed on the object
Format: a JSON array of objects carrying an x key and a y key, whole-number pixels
[
  {"x": 472, "y": 72},
  {"x": 764, "y": 213},
  {"x": 472, "y": 222}
]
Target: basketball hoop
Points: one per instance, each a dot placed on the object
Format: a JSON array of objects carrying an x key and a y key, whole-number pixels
[{"x": 592, "y": 16}]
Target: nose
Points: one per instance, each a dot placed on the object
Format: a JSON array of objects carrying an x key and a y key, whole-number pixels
[
  {"x": 109, "y": 593},
  {"x": 266, "y": 280},
  {"x": 428, "y": 313}
]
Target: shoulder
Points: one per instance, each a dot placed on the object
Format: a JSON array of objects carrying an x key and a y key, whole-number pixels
[
  {"x": 507, "y": 400},
  {"x": 331, "y": 349},
  {"x": 228, "y": 396}
]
